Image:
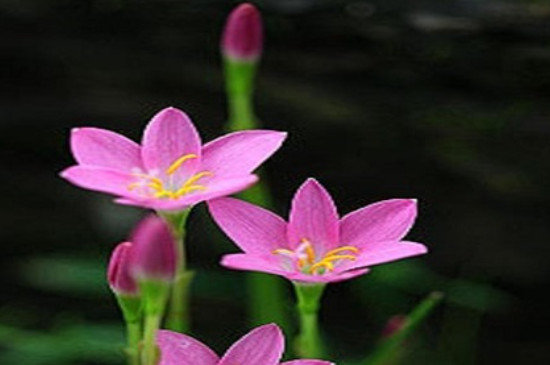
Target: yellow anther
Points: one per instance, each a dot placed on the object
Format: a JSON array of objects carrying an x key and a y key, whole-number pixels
[
  {"x": 177, "y": 164},
  {"x": 326, "y": 264},
  {"x": 342, "y": 249},
  {"x": 282, "y": 251},
  {"x": 196, "y": 177},
  {"x": 132, "y": 186},
  {"x": 187, "y": 189},
  {"x": 339, "y": 257}
]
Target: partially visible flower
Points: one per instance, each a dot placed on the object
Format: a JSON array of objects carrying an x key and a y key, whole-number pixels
[
  {"x": 154, "y": 254},
  {"x": 315, "y": 245},
  {"x": 263, "y": 345},
  {"x": 394, "y": 325},
  {"x": 118, "y": 273},
  {"x": 170, "y": 170},
  {"x": 242, "y": 36}
]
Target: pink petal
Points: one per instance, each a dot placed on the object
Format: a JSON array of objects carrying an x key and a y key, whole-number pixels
[
  {"x": 263, "y": 345},
  {"x": 313, "y": 216},
  {"x": 253, "y": 229},
  {"x": 262, "y": 263},
  {"x": 240, "y": 153},
  {"x": 375, "y": 253},
  {"x": 388, "y": 220},
  {"x": 99, "y": 179},
  {"x": 215, "y": 190},
  {"x": 307, "y": 362},
  {"x": 332, "y": 277},
  {"x": 103, "y": 148},
  {"x": 169, "y": 136},
  {"x": 178, "y": 349}
]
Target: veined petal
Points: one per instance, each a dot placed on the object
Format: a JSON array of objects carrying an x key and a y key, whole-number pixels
[
  {"x": 388, "y": 220},
  {"x": 375, "y": 253},
  {"x": 313, "y": 217},
  {"x": 253, "y": 229},
  {"x": 331, "y": 277},
  {"x": 307, "y": 362},
  {"x": 169, "y": 136},
  {"x": 99, "y": 179},
  {"x": 263, "y": 345},
  {"x": 240, "y": 153},
  {"x": 262, "y": 263},
  {"x": 103, "y": 148},
  {"x": 178, "y": 349}
]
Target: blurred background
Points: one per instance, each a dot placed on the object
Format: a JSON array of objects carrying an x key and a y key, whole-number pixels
[{"x": 444, "y": 101}]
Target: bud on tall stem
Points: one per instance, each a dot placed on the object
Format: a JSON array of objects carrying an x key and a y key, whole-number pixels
[
  {"x": 126, "y": 291},
  {"x": 154, "y": 267}
]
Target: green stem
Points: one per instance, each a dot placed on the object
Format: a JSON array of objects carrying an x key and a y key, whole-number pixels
[
  {"x": 240, "y": 88},
  {"x": 152, "y": 324},
  {"x": 309, "y": 343},
  {"x": 178, "y": 318},
  {"x": 133, "y": 333}
]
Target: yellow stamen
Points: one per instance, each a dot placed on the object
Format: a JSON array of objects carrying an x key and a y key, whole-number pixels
[
  {"x": 187, "y": 189},
  {"x": 327, "y": 265},
  {"x": 283, "y": 251},
  {"x": 342, "y": 249},
  {"x": 177, "y": 164},
  {"x": 310, "y": 252},
  {"x": 339, "y": 257}
]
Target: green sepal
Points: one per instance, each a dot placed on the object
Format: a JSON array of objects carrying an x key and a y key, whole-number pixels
[
  {"x": 154, "y": 295},
  {"x": 309, "y": 296},
  {"x": 176, "y": 220},
  {"x": 130, "y": 305}
]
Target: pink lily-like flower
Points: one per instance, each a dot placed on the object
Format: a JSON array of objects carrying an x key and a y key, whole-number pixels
[
  {"x": 263, "y": 345},
  {"x": 171, "y": 170},
  {"x": 316, "y": 246}
]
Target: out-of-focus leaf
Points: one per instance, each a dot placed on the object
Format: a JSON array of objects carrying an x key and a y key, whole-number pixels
[
  {"x": 68, "y": 275},
  {"x": 72, "y": 344}
]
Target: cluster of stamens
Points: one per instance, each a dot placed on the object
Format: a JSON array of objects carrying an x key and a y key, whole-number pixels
[
  {"x": 306, "y": 259},
  {"x": 151, "y": 185}
]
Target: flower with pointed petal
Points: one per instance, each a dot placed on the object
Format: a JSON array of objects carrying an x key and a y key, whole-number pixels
[
  {"x": 171, "y": 170},
  {"x": 316, "y": 246},
  {"x": 263, "y": 345}
]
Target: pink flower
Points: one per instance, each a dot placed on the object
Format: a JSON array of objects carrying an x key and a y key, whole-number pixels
[
  {"x": 262, "y": 346},
  {"x": 170, "y": 170},
  {"x": 315, "y": 245},
  {"x": 154, "y": 252},
  {"x": 118, "y": 272},
  {"x": 242, "y": 36}
]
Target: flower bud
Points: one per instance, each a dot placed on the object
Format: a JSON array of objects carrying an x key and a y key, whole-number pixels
[
  {"x": 118, "y": 272},
  {"x": 154, "y": 254},
  {"x": 394, "y": 325},
  {"x": 242, "y": 36}
]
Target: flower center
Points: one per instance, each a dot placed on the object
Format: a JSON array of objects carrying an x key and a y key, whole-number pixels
[
  {"x": 307, "y": 261},
  {"x": 170, "y": 188}
]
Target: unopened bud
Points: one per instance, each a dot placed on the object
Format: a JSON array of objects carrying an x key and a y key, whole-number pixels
[
  {"x": 243, "y": 35},
  {"x": 118, "y": 273},
  {"x": 154, "y": 255}
]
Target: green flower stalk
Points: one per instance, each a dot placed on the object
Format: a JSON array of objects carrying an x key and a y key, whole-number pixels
[
  {"x": 309, "y": 343},
  {"x": 127, "y": 294},
  {"x": 241, "y": 49},
  {"x": 178, "y": 318}
]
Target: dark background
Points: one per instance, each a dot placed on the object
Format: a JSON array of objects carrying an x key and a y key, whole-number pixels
[{"x": 445, "y": 101}]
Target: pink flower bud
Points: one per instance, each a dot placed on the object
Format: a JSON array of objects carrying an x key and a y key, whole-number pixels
[
  {"x": 242, "y": 37},
  {"x": 118, "y": 272},
  {"x": 154, "y": 254},
  {"x": 394, "y": 325}
]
